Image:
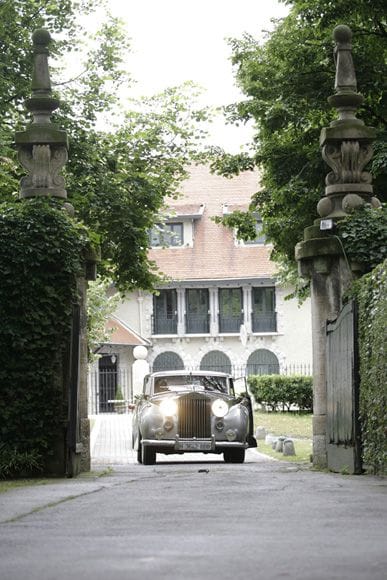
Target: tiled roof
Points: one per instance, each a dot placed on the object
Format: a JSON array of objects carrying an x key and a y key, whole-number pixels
[
  {"x": 123, "y": 334},
  {"x": 214, "y": 255},
  {"x": 186, "y": 210}
]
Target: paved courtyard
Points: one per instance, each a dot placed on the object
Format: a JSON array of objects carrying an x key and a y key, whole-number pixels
[
  {"x": 111, "y": 437},
  {"x": 110, "y": 440}
]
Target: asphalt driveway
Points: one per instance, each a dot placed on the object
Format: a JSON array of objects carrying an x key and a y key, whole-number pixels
[{"x": 197, "y": 520}]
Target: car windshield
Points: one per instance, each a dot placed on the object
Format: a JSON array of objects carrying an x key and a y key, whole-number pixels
[{"x": 191, "y": 383}]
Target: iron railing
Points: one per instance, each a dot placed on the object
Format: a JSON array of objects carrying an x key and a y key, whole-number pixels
[
  {"x": 264, "y": 322},
  {"x": 103, "y": 385},
  {"x": 164, "y": 324},
  {"x": 197, "y": 324},
  {"x": 103, "y": 388},
  {"x": 230, "y": 323},
  {"x": 240, "y": 370}
]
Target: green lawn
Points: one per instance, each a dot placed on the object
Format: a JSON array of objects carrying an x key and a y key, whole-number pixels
[
  {"x": 297, "y": 426},
  {"x": 292, "y": 424}
]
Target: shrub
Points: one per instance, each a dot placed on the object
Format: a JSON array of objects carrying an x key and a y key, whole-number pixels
[
  {"x": 364, "y": 235},
  {"x": 279, "y": 391},
  {"x": 371, "y": 294},
  {"x": 14, "y": 462}
]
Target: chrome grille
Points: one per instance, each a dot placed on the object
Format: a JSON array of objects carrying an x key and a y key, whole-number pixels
[{"x": 194, "y": 417}]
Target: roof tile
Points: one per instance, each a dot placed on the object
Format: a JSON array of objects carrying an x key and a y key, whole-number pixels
[{"x": 214, "y": 255}]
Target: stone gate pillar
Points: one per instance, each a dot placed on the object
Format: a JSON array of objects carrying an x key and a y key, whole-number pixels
[
  {"x": 42, "y": 150},
  {"x": 346, "y": 147}
]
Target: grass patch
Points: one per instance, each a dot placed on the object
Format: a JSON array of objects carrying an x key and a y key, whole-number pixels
[
  {"x": 9, "y": 484},
  {"x": 291, "y": 424},
  {"x": 303, "y": 448},
  {"x": 297, "y": 426}
]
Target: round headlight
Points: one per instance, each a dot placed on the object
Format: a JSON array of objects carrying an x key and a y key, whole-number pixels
[
  {"x": 219, "y": 408},
  {"x": 168, "y": 407}
]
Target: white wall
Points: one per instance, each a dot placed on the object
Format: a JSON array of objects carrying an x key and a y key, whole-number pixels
[{"x": 292, "y": 344}]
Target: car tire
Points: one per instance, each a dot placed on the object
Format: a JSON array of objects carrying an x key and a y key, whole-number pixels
[
  {"x": 139, "y": 451},
  {"x": 148, "y": 455},
  {"x": 234, "y": 455}
]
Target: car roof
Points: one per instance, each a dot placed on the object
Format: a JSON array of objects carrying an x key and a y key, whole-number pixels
[{"x": 186, "y": 372}]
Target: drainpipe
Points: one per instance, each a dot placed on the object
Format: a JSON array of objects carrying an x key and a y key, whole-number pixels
[{"x": 140, "y": 300}]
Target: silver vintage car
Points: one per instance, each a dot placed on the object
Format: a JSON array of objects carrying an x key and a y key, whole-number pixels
[{"x": 188, "y": 412}]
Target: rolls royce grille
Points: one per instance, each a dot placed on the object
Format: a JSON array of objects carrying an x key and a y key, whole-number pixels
[{"x": 194, "y": 417}]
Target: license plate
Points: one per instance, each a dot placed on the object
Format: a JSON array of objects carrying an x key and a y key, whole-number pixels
[{"x": 195, "y": 445}]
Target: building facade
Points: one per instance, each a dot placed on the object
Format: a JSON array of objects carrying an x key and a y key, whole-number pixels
[{"x": 220, "y": 307}]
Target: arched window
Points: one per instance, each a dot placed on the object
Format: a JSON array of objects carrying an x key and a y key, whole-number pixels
[
  {"x": 215, "y": 360},
  {"x": 168, "y": 361},
  {"x": 262, "y": 362}
]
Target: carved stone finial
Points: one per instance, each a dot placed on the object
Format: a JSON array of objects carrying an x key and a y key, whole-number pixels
[
  {"x": 346, "y": 99},
  {"x": 345, "y": 70},
  {"x": 347, "y": 142},
  {"x": 41, "y": 76},
  {"x": 42, "y": 146}
]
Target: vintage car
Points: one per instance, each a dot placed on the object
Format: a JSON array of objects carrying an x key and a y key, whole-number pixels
[{"x": 188, "y": 412}]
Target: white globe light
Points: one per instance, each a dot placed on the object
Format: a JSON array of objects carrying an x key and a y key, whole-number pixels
[{"x": 140, "y": 352}]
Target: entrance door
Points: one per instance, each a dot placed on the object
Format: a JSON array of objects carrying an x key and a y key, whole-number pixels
[{"x": 107, "y": 371}]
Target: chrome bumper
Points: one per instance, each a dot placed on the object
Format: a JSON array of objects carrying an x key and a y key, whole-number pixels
[{"x": 199, "y": 445}]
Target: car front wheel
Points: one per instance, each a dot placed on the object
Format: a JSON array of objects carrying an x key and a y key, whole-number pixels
[
  {"x": 139, "y": 452},
  {"x": 148, "y": 455},
  {"x": 234, "y": 455}
]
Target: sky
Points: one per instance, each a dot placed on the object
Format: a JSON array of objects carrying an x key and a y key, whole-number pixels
[{"x": 178, "y": 40}]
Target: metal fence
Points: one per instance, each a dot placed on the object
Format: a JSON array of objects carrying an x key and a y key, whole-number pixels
[
  {"x": 109, "y": 391},
  {"x": 304, "y": 369},
  {"x": 106, "y": 386}
]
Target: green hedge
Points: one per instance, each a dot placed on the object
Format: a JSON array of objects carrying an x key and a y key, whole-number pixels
[
  {"x": 282, "y": 392},
  {"x": 371, "y": 294},
  {"x": 41, "y": 255}
]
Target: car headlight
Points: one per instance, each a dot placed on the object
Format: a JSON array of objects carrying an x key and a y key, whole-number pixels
[
  {"x": 219, "y": 408},
  {"x": 168, "y": 407}
]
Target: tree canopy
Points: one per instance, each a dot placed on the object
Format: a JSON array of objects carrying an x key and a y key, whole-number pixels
[
  {"x": 117, "y": 177},
  {"x": 287, "y": 80}
]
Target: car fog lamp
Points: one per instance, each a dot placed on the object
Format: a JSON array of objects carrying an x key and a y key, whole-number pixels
[
  {"x": 219, "y": 424},
  {"x": 231, "y": 434},
  {"x": 158, "y": 433},
  {"x": 168, "y": 424},
  {"x": 168, "y": 407},
  {"x": 219, "y": 408}
]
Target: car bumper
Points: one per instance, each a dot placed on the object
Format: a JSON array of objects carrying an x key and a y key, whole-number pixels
[{"x": 192, "y": 445}]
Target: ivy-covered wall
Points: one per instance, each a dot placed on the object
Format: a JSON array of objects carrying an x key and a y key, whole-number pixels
[
  {"x": 371, "y": 293},
  {"x": 41, "y": 256}
]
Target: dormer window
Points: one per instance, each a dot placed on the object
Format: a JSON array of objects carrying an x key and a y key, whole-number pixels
[
  {"x": 167, "y": 235},
  {"x": 234, "y": 211},
  {"x": 260, "y": 237}
]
